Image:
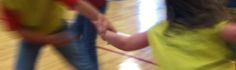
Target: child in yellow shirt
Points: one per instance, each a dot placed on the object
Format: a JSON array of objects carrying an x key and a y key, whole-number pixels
[{"x": 194, "y": 37}]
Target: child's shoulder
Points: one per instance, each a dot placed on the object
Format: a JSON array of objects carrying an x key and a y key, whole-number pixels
[
  {"x": 160, "y": 25},
  {"x": 158, "y": 28}
]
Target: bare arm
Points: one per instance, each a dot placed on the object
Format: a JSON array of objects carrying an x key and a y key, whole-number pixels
[
  {"x": 88, "y": 10},
  {"x": 93, "y": 14},
  {"x": 36, "y": 37},
  {"x": 32, "y": 36},
  {"x": 127, "y": 43}
]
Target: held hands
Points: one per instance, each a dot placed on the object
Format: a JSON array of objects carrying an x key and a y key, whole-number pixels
[{"x": 102, "y": 25}]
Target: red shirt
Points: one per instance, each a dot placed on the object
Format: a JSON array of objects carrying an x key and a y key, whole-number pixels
[
  {"x": 11, "y": 18},
  {"x": 70, "y": 3},
  {"x": 97, "y": 3}
]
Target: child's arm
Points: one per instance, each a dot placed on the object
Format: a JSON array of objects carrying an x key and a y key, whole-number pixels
[
  {"x": 127, "y": 43},
  {"x": 36, "y": 37},
  {"x": 93, "y": 14},
  {"x": 83, "y": 7},
  {"x": 88, "y": 10}
]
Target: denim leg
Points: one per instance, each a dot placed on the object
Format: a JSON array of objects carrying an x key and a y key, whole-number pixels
[
  {"x": 87, "y": 52},
  {"x": 27, "y": 55},
  {"x": 89, "y": 38},
  {"x": 86, "y": 46},
  {"x": 77, "y": 56}
]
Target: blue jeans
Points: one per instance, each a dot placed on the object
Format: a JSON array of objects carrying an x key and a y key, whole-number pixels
[
  {"x": 87, "y": 42},
  {"x": 29, "y": 51}
]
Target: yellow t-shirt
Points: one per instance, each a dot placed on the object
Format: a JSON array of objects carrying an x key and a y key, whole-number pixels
[
  {"x": 43, "y": 16},
  {"x": 200, "y": 49}
]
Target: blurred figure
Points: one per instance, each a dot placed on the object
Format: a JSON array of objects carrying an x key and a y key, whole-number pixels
[
  {"x": 41, "y": 22},
  {"x": 194, "y": 37}
]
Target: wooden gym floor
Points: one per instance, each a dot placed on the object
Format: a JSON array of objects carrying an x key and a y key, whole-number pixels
[{"x": 128, "y": 16}]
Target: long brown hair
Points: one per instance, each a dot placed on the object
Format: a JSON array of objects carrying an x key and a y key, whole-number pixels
[{"x": 192, "y": 14}]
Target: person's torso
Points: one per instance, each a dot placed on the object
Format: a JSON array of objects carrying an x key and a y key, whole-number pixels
[
  {"x": 43, "y": 16},
  {"x": 201, "y": 49}
]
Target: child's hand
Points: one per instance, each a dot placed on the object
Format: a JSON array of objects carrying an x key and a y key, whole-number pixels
[
  {"x": 102, "y": 24},
  {"x": 111, "y": 28}
]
